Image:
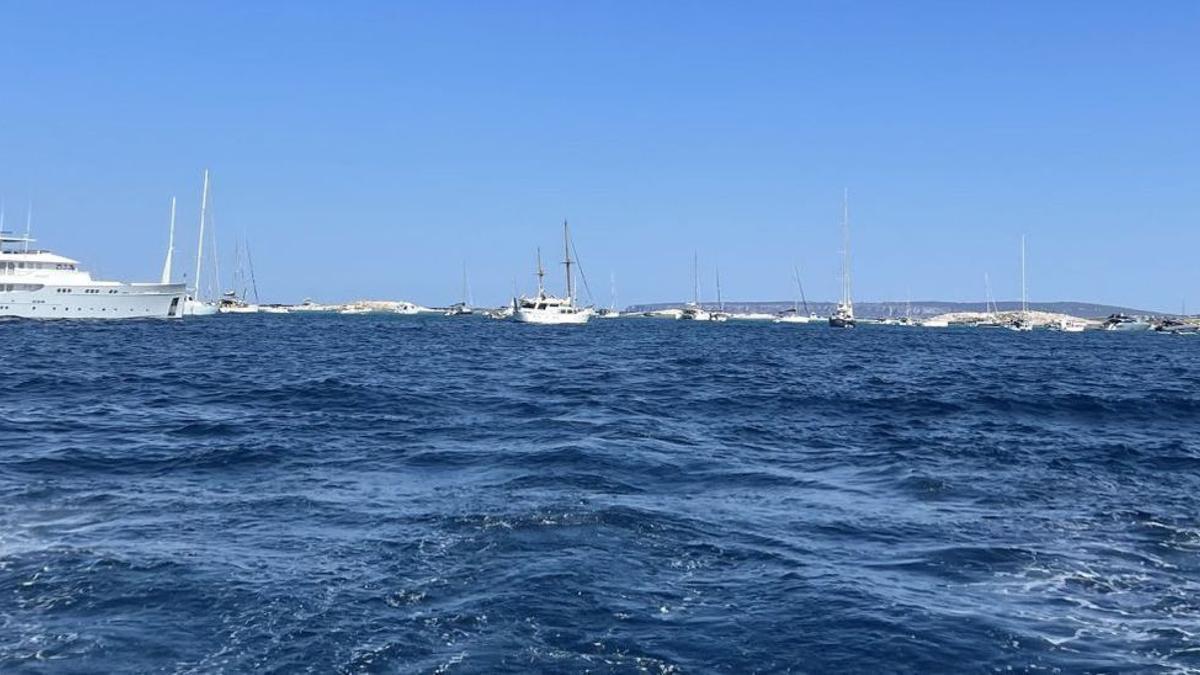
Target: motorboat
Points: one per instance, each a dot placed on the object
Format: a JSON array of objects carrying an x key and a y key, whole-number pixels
[
  {"x": 1125, "y": 323},
  {"x": 41, "y": 284}
]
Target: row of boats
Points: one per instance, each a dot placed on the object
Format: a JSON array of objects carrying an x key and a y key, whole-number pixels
[{"x": 36, "y": 283}]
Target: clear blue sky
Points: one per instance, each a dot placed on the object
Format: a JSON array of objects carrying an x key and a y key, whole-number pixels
[{"x": 367, "y": 149}]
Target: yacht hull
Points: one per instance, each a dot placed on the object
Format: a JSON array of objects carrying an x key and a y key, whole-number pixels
[
  {"x": 198, "y": 308},
  {"x": 551, "y": 317},
  {"x": 838, "y": 322},
  {"x": 99, "y": 301}
]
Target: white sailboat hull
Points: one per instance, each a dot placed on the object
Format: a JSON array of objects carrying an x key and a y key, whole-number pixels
[
  {"x": 793, "y": 319},
  {"x": 551, "y": 316},
  {"x": 92, "y": 301},
  {"x": 197, "y": 308}
]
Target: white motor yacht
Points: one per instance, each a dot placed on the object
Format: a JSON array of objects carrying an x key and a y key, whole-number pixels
[{"x": 40, "y": 284}]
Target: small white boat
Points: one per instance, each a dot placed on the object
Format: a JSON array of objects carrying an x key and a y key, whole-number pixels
[
  {"x": 1068, "y": 326},
  {"x": 607, "y": 313},
  {"x": 459, "y": 309},
  {"x": 354, "y": 309},
  {"x": 309, "y": 306},
  {"x": 794, "y": 317},
  {"x": 275, "y": 309},
  {"x": 934, "y": 323}
]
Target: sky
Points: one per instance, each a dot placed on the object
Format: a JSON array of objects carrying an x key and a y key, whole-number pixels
[{"x": 371, "y": 150}]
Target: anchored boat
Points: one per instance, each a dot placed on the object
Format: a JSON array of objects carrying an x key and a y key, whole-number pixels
[
  {"x": 40, "y": 284},
  {"x": 548, "y": 309}
]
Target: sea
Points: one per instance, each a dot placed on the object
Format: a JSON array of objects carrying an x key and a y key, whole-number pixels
[{"x": 391, "y": 494}]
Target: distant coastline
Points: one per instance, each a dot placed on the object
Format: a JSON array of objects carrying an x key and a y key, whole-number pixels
[{"x": 920, "y": 309}]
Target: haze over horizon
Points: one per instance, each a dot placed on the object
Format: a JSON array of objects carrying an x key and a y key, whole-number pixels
[{"x": 370, "y": 150}]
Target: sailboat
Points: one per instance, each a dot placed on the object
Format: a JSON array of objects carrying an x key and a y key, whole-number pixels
[
  {"x": 1021, "y": 323},
  {"x": 990, "y": 310},
  {"x": 193, "y": 305},
  {"x": 610, "y": 312},
  {"x": 843, "y": 316},
  {"x": 548, "y": 309},
  {"x": 236, "y": 300},
  {"x": 794, "y": 315},
  {"x": 720, "y": 315},
  {"x": 692, "y": 311},
  {"x": 462, "y": 308}
]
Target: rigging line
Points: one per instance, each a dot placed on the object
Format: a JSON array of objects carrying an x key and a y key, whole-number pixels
[{"x": 582, "y": 274}]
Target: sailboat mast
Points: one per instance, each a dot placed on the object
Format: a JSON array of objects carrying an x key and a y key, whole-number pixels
[
  {"x": 541, "y": 274},
  {"x": 466, "y": 290},
  {"x": 28, "y": 225},
  {"x": 253, "y": 281},
  {"x": 1024, "y": 287},
  {"x": 695, "y": 278},
  {"x": 567, "y": 262},
  {"x": 987, "y": 297},
  {"x": 720, "y": 302},
  {"x": 166, "y": 273},
  {"x": 846, "y": 290},
  {"x": 800, "y": 287},
  {"x": 612, "y": 292},
  {"x": 200, "y": 245}
]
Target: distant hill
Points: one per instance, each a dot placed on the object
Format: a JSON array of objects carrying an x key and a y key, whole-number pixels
[{"x": 923, "y": 308}]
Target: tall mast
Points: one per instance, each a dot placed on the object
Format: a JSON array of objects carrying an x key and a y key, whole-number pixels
[
  {"x": 800, "y": 287},
  {"x": 612, "y": 292},
  {"x": 696, "y": 278},
  {"x": 253, "y": 281},
  {"x": 200, "y": 245},
  {"x": 846, "y": 288},
  {"x": 466, "y": 292},
  {"x": 720, "y": 302},
  {"x": 567, "y": 262},
  {"x": 28, "y": 224},
  {"x": 1024, "y": 287},
  {"x": 541, "y": 274},
  {"x": 166, "y": 273}
]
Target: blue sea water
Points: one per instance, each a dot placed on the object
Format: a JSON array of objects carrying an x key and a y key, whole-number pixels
[{"x": 402, "y": 494}]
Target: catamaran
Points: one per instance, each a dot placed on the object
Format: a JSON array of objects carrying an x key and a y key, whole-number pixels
[
  {"x": 548, "y": 309},
  {"x": 843, "y": 316},
  {"x": 39, "y": 284}
]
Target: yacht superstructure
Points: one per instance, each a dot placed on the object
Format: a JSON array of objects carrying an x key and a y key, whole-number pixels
[
  {"x": 40, "y": 284},
  {"x": 548, "y": 309}
]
